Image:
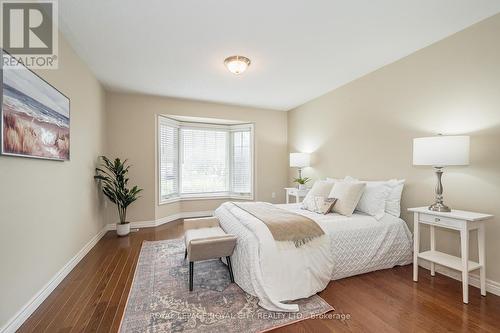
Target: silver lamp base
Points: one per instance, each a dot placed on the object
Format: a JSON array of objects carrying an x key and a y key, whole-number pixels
[{"x": 438, "y": 205}]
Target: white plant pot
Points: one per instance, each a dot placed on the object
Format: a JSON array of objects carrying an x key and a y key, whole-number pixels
[
  {"x": 302, "y": 186},
  {"x": 123, "y": 229}
]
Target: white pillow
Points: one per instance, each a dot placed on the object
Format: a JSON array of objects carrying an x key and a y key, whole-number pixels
[
  {"x": 328, "y": 179},
  {"x": 321, "y": 188},
  {"x": 373, "y": 200},
  {"x": 347, "y": 195},
  {"x": 393, "y": 201}
]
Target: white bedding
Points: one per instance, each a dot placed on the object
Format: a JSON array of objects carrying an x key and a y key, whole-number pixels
[
  {"x": 274, "y": 274},
  {"x": 357, "y": 244},
  {"x": 360, "y": 243}
]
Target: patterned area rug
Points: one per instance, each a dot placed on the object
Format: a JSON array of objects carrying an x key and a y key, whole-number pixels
[{"x": 160, "y": 301}]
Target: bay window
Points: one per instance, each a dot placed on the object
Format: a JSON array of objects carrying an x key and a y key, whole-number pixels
[{"x": 199, "y": 160}]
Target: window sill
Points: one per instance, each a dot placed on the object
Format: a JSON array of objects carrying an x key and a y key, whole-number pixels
[{"x": 205, "y": 197}]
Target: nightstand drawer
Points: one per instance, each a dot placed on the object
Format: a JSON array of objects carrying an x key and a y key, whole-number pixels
[
  {"x": 296, "y": 191},
  {"x": 438, "y": 220}
]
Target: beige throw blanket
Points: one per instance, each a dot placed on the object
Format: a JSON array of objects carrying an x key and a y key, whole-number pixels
[{"x": 285, "y": 226}]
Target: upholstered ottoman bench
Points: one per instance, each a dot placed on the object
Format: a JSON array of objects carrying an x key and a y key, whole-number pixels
[{"x": 205, "y": 240}]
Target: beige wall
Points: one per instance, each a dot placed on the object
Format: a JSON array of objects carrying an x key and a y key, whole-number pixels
[
  {"x": 131, "y": 129},
  {"x": 49, "y": 210},
  {"x": 365, "y": 128}
]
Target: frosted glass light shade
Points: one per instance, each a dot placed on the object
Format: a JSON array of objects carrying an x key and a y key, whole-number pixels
[
  {"x": 300, "y": 160},
  {"x": 237, "y": 64},
  {"x": 441, "y": 150}
]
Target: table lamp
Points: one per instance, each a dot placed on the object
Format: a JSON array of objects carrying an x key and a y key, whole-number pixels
[
  {"x": 300, "y": 160},
  {"x": 440, "y": 151}
]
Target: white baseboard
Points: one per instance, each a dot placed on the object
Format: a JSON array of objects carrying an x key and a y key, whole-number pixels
[
  {"x": 163, "y": 220},
  {"x": 491, "y": 286},
  {"x": 20, "y": 317}
]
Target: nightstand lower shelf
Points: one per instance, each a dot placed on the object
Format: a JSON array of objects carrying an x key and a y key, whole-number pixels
[{"x": 447, "y": 260}]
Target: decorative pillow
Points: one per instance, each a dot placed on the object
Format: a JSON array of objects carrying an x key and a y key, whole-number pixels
[
  {"x": 320, "y": 205},
  {"x": 321, "y": 188},
  {"x": 324, "y": 205},
  {"x": 393, "y": 200},
  {"x": 347, "y": 195}
]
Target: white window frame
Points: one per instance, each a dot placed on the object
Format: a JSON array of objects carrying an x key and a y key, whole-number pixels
[
  {"x": 173, "y": 123},
  {"x": 237, "y": 128},
  {"x": 212, "y": 195}
]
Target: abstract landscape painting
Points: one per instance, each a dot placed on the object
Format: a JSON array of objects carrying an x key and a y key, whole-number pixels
[{"x": 35, "y": 116}]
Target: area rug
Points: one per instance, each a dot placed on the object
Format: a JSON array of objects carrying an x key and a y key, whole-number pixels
[{"x": 160, "y": 300}]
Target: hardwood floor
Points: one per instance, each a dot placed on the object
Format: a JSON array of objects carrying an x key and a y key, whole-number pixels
[{"x": 92, "y": 297}]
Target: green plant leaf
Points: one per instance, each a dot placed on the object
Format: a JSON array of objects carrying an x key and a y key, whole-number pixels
[
  {"x": 301, "y": 181},
  {"x": 112, "y": 176}
]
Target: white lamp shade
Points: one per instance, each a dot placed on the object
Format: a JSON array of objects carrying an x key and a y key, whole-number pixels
[
  {"x": 299, "y": 160},
  {"x": 441, "y": 150}
]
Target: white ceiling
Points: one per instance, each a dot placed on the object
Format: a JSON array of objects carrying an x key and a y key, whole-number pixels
[{"x": 299, "y": 49}]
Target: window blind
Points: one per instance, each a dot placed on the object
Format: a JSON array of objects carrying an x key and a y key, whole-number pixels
[
  {"x": 241, "y": 161},
  {"x": 204, "y": 161},
  {"x": 169, "y": 151}
]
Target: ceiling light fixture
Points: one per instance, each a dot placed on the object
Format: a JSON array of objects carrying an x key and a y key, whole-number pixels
[{"x": 237, "y": 64}]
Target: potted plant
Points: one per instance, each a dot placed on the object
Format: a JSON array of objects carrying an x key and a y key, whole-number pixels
[
  {"x": 113, "y": 178},
  {"x": 301, "y": 182}
]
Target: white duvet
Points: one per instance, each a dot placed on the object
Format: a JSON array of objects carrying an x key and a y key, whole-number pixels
[{"x": 352, "y": 245}]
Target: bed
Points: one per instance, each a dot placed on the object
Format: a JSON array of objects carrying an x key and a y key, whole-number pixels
[{"x": 355, "y": 245}]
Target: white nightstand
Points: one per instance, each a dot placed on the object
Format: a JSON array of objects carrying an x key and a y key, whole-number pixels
[
  {"x": 296, "y": 193},
  {"x": 459, "y": 220}
]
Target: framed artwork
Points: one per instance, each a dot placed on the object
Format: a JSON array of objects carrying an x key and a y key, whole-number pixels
[{"x": 35, "y": 118}]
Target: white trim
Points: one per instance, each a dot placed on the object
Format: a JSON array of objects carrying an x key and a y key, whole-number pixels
[
  {"x": 168, "y": 121},
  {"x": 491, "y": 286},
  {"x": 205, "y": 126},
  {"x": 162, "y": 120},
  {"x": 206, "y": 197},
  {"x": 242, "y": 128},
  {"x": 163, "y": 220},
  {"x": 189, "y": 119},
  {"x": 183, "y": 215},
  {"x": 135, "y": 225},
  {"x": 20, "y": 317}
]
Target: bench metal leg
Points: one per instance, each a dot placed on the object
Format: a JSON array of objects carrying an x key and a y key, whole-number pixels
[
  {"x": 230, "y": 268},
  {"x": 185, "y": 254},
  {"x": 191, "y": 269}
]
